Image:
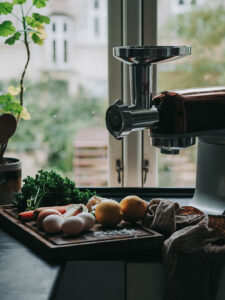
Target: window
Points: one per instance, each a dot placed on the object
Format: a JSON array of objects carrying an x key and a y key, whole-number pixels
[
  {"x": 54, "y": 51},
  {"x": 65, "y": 51},
  {"x": 187, "y": 25},
  {"x": 59, "y": 42},
  {"x": 66, "y": 95},
  {"x": 190, "y": 27},
  {"x": 138, "y": 23},
  {"x": 96, "y": 4},
  {"x": 69, "y": 77},
  {"x": 96, "y": 26},
  {"x": 65, "y": 27},
  {"x": 97, "y": 21}
]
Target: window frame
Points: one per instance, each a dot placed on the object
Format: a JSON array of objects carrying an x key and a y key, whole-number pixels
[{"x": 130, "y": 22}]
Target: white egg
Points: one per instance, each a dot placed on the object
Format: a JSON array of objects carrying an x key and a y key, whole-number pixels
[
  {"x": 53, "y": 223},
  {"x": 89, "y": 220},
  {"x": 73, "y": 225}
]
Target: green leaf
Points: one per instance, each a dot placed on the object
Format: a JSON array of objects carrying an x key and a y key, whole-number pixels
[
  {"x": 36, "y": 39},
  {"x": 7, "y": 28},
  {"x": 40, "y": 3},
  {"x": 17, "y": 35},
  {"x": 35, "y": 24},
  {"x": 8, "y": 104},
  {"x": 41, "y": 18},
  {"x": 13, "y": 107},
  {"x": 11, "y": 40},
  {"x": 5, "y": 8},
  {"x": 32, "y": 22},
  {"x": 4, "y": 99},
  {"x": 19, "y": 2},
  {"x": 29, "y": 20}
]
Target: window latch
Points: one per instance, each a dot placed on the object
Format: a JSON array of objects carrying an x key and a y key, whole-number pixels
[
  {"x": 145, "y": 169},
  {"x": 119, "y": 169}
]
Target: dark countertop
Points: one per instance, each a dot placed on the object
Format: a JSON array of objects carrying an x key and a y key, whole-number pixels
[{"x": 23, "y": 274}]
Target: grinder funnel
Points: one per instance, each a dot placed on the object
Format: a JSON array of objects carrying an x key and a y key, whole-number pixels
[{"x": 150, "y": 54}]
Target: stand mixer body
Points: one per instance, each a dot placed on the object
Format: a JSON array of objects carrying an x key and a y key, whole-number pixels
[{"x": 175, "y": 119}]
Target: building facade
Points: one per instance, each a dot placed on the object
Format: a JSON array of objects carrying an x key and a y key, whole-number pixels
[{"x": 75, "y": 49}]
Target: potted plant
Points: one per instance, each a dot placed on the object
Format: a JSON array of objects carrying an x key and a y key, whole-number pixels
[{"x": 31, "y": 29}]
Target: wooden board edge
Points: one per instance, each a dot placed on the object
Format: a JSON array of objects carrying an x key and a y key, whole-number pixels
[
  {"x": 53, "y": 253},
  {"x": 25, "y": 228},
  {"x": 23, "y": 235}
]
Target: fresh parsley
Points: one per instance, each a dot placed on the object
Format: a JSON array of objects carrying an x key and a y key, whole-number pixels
[{"x": 48, "y": 188}]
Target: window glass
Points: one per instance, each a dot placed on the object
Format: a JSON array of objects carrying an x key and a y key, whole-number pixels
[
  {"x": 96, "y": 26},
  {"x": 201, "y": 26},
  {"x": 65, "y": 51},
  {"x": 54, "y": 51},
  {"x": 66, "y": 94},
  {"x": 96, "y": 4},
  {"x": 65, "y": 27}
]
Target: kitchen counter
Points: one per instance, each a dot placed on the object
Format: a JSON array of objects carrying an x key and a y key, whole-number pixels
[
  {"x": 26, "y": 275},
  {"x": 23, "y": 274}
]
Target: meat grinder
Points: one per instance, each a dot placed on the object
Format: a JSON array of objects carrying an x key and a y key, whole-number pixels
[{"x": 175, "y": 119}]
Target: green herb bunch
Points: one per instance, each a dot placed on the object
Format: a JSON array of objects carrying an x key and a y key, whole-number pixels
[
  {"x": 31, "y": 30},
  {"x": 48, "y": 188}
]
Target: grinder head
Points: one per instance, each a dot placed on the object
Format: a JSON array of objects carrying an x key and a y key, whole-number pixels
[{"x": 122, "y": 119}]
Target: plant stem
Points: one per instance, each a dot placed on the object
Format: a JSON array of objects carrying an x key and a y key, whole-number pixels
[
  {"x": 16, "y": 17},
  {"x": 4, "y": 146},
  {"x": 27, "y": 61},
  {"x": 29, "y": 10},
  {"x": 2, "y": 151}
]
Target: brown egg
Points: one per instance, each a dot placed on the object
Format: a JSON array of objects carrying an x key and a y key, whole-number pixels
[{"x": 46, "y": 212}]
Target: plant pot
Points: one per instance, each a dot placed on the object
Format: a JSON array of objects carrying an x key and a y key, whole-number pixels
[{"x": 10, "y": 179}]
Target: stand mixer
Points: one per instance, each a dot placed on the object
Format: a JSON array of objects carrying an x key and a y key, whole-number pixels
[{"x": 175, "y": 119}]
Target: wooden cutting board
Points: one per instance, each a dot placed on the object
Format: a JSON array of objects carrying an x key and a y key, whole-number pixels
[{"x": 124, "y": 239}]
